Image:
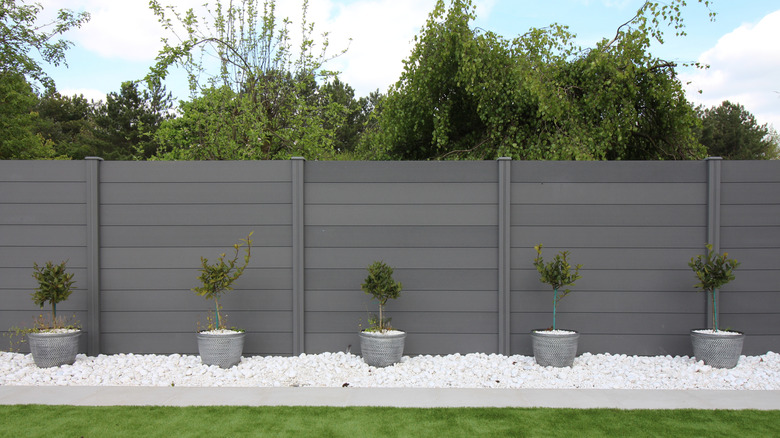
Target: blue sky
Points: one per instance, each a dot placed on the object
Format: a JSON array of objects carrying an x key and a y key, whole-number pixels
[{"x": 123, "y": 37}]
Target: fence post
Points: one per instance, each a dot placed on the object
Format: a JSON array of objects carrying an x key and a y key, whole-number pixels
[
  {"x": 504, "y": 246},
  {"x": 93, "y": 254},
  {"x": 713, "y": 218},
  {"x": 298, "y": 307}
]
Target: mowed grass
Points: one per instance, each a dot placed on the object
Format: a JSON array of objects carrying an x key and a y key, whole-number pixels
[{"x": 354, "y": 422}]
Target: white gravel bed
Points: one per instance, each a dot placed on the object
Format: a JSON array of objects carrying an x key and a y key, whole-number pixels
[{"x": 590, "y": 371}]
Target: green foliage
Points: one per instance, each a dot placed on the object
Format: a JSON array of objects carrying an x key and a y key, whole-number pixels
[
  {"x": 218, "y": 278},
  {"x": 262, "y": 101},
  {"x": 471, "y": 94},
  {"x": 713, "y": 271},
  {"x": 557, "y": 273},
  {"x": 731, "y": 132},
  {"x": 54, "y": 286},
  {"x": 24, "y": 42},
  {"x": 381, "y": 286}
]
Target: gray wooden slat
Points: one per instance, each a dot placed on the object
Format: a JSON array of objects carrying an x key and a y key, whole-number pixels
[
  {"x": 155, "y": 236},
  {"x": 739, "y": 301},
  {"x": 21, "y": 278},
  {"x": 215, "y": 215},
  {"x": 752, "y": 258},
  {"x": 613, "y": 258},
  {"x": 43, "y": 214},
  {"x": 24, "y": 257},
  {"x": 401, "y": 193},
  {"x": 750, "y": 193},
  {"x": 183, "y": 258},
  {"x": 750, "y": 171},
  {"x": 418, "y": 279},
  {"x": 43, "y": 235},
  {"x": 750, "y": 215},
  {"x": 750, "y": 237},
  {"x": 608, "y": 193},
  {"x": 401, "y": 171},
  {"x": 613, "y": 301},
  {"x": 750, "y": 323},
  {"x": 185, "y": 279},
  {"x": 436, "y": 258},
  {"x": 401, "y": 236},
  {"x": 760, "y": 344},
  {"x": 416, "y": 343},
  {"x": 25, "y": 319},
  {"x": 680, "y": 280},
  {"x": 196, "y": 193},
  {"x": 417, "y": 322},
  {"x": 20, "y": 299},
  {"x": 609, "y": 171},
  {"x": 608, "y": 323},
  {"x": 439, "y": 215},
  {"x": 41, "y": 170},
  {"x": 195, "y": 171},
  {"x": 55, "y": 192},
  {"x": 188, "y": 321},
  {"x": 410, "y": 300},
  {"x": 186, "y": 300},
  {"x": 609, "y": 215},
  {"x": 609, "y": 237}
]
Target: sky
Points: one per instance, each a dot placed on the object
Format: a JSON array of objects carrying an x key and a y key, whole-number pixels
[{"x": 741, "y": 47}]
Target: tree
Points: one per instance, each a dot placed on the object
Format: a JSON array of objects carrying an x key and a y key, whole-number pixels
[
  {"x": 731, "y": 132},
  {"x": 68, "y": 123},
  {"x": 471, "y": 94},
  {"x": 20, "y": 35},
  {"x": 18, "y": 137},
  {"x": 260, "y": 100}
]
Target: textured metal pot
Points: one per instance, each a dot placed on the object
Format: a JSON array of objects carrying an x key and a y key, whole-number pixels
[
  {"x": 717, "y": 351},
  {"x": 222, "y": 350},
  {"x": 554, "y": 350},
  {"x": 54, "y": 349},
  {"x": 381, "y": 350}
]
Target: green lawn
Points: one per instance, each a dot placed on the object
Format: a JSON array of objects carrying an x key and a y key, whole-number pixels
[{"x": 359, "y": 422}]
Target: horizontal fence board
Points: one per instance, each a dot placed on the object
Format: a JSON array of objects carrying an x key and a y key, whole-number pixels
[
  {"x": 750, "y": 193},
  {"x": 401, "y": 193},
  {"x": 401, "y": 171},
  {"x": 760, "y": 344},
  {"x": 752, "y": 258},
  {"x": 25, "y": 319},
  {"x": 196, "y": 193},
  {"x": 21, "y": 299},
  {"x": 410, "y": 300},
  {"x": 750, "y": 237},
  {"x": 417, "y": 322},
  {"x": 186, "y": 343},
  {"x": 24, "y": 257},
  {"x": 415, "y": 344},
  {"x": 608, "y": 323},
  {"x": 750, "y": 215},
  {"x": 42, "y": 171},
  {"x": 749, "y": 323},
  {"x": 182, "y": 258},
  {"x": 739, "y": 301},
  {"x": 43, "y": 235},
  {"x": 195, "y": 171},
  {"x": 43, "y": 214},
  {"x": 54, "y": 192},
  {"x": 215, "y": 215},
  {"x": 21, "y": 278},
  {"x": 185, "y": 321},
  {"x": 680, "y": 280},
  {"x": 418, "y": 279},
  {"x": 608, "y": 237},
  {"x": 401, "y": 236},
  {"x": 609, "y": 171},
  {"x": 185, "y": 279},
  {"x": 610, "y": 302},
  {"x": 421, "y": 258},
  {"x": 613, "y": 258},
  {"x": 439, "y": 215},
  {"x": 749, "y": 171},
  {"x": 609, "y": 215},
  {"x": 186, "y": 300},
  {"x": 155, "y": 236},
  {"x": 608, "y": 193}
]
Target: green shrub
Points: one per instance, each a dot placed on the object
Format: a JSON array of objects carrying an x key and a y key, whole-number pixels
[
  {"x": 557, "y": 274},
  {"x": 381, "y": 286}
]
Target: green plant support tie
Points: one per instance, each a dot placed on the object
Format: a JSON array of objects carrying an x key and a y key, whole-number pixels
[
  {"x": 555, "y": 302},
  {"x": 216, "y": 314},
  {"x": 714, "y": 312}
]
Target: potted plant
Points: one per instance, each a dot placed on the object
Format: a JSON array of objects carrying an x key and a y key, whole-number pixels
[
  {"x": 553, "y": 347},
  {"x": 717, "y": 348},
  {"x": 380, "y": 344},
  {"x": 53, "y": 343},
  {"x": 218, "y": 345}
]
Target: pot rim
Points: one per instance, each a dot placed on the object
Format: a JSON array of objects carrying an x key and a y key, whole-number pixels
[{"x": 738, "y": 333}]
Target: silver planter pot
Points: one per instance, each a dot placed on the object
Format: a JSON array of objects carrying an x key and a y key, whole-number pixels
[
  {"x": 717, "y": 351},
  {"x": 554, "y": 350},
  {"x": 222, "y": 350},
  {"x": 53, "y": 349},
  {"x": 381, "y": 350}
]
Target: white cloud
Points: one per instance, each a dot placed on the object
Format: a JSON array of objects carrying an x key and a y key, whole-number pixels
[
  {"x": 88, "y": 93},
  {"x": 744, "y": 68}
]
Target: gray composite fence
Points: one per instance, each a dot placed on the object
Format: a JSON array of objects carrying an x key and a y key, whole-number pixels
[{"x": 459, "y": 234}]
